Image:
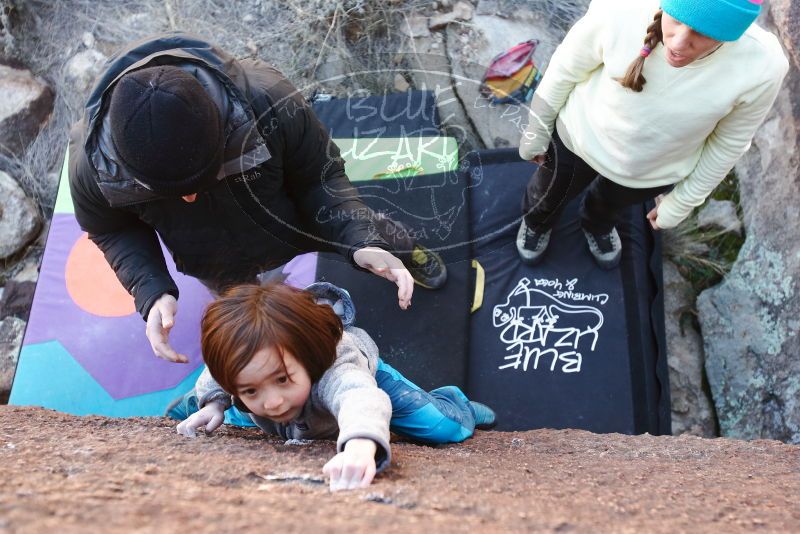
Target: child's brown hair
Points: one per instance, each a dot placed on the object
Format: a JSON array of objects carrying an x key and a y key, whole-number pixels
[{"x": 248, "y": 318}]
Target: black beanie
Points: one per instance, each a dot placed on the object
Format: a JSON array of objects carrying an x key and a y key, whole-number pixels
[{"x": 167, "y": 130}]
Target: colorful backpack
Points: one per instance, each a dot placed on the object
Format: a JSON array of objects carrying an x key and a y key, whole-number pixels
[{"x": 512, "y": 75}]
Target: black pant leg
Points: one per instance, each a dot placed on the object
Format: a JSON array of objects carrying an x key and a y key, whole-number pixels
[
  {"x": 605, "y": 200},
  {"x": 554, "y": 184}
]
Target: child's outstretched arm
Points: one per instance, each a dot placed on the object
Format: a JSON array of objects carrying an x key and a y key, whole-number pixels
[
  {"x": 349, "y": 391},
  {"x": 578, "y": 55},
  {"x": 212, "y": 400}
]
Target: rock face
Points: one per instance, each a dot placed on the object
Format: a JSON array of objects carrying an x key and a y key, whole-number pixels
[
  {"x": 692, "y": 410},
  {"x": 17, "y": 299},
  {"x": 11, "y": 332},
  {"x": 83, "y": 68},
  {"x": 429, "y": 68},
  {"x": 19, "y": 219},
  {"x": 24, "y": 108},
  {"x": 751, "y": 321},
  {"x": 470, "y": 52},
  {"x": 63, "y": 472},
  {"x": 720, "y": 214},
  {"x": 462, "y": 11}
]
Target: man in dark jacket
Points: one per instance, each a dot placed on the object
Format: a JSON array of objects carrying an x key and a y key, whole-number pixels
[{"x": 225, "y": 162}]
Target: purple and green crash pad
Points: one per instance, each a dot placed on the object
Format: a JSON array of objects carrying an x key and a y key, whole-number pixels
[{"x": 85, "y": 351}]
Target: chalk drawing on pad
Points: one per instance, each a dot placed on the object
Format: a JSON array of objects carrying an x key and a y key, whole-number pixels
[{"x": 541, "y": 330}]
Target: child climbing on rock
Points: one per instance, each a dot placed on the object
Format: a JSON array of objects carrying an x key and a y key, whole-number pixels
[
  {"x": 680, "y": 114},
  {"x": 294, "y": 362}
]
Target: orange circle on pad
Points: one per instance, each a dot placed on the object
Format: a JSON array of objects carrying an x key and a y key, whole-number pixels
[{"x": 92, "y": 283}]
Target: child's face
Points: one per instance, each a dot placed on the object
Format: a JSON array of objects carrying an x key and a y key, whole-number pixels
[
  {"x": 683, "y": 45},
  {"x": 271, "y": 390}
]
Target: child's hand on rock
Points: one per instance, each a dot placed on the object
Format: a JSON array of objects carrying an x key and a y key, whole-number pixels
[
  {"x": 354, "y": 467},
  {"x": 210, "y": 416}
]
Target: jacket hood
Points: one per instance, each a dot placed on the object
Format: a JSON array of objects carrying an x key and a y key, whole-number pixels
[
  {"x": 335, "y": 297},
  {"x": 219, "y": 74}
]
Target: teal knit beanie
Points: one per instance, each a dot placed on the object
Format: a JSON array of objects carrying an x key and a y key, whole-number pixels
[{"x": 723, "y": 20}]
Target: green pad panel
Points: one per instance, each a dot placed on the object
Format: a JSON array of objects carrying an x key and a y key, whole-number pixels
[{"x": 397, "y": 157}]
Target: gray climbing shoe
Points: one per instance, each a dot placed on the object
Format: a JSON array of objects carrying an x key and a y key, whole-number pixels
[
  {"x": 532, "y": 244},
  {"x": 605, "y": 248}
]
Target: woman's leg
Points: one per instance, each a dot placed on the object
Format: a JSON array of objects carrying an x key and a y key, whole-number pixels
[
  {"x": 444, "y": 415},
  {"x": 561, "y": 178},
  {"x": 605, "y": 200}
]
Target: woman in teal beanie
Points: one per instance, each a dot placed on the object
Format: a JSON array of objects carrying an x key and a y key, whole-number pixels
[{"x": 668, "y": 125}]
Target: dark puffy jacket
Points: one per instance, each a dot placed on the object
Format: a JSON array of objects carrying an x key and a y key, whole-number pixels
[{"x": 282, "y": 189}]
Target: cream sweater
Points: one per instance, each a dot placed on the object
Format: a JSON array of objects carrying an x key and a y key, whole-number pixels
[{"x": 687, "y": 127}]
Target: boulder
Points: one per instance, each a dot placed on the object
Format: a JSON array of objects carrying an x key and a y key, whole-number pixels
[
  {"x": 82, "y": 69},
  {"x": 24, "y": 108},
  {"x": 428, "y": 66},
  {"x": 17, "y": 299},
  {"x": 471, "y": 49},
  {"x": 692, "y": 410},
  {"x": 88, "y": 40},
  {"x": 11, "y": 331},
  {"x": 27, "y": 270},
  {"x": 488, "y": 7},
  {"x": 415, "y": 26},
  {"x": 19, "y": 218},
  {"x": 400, "y": 83},
  {"x": 751, "y": 321},
  {"x": 462, "y": 11},
  {"x": 720, "y": 214}
]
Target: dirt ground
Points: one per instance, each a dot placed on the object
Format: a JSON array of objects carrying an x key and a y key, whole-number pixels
[{"x": 62, "y": 473}]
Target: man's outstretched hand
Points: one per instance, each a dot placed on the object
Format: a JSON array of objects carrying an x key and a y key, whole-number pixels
[
  {"x": 160, "y": 321},
  {"x": 388, "y": 266}
]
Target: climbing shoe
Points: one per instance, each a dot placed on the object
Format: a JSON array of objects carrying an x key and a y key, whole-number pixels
[
  {"x": 183, "y": 406},
  {"x": 484, "y": 416},
  {"x": 605, "y": 248},
  {"x": 532, "y": 244},
  {"x": 427, "y": 268}
]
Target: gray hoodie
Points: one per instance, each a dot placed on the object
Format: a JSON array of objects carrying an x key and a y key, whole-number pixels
[{"x": 345, "y": 403}]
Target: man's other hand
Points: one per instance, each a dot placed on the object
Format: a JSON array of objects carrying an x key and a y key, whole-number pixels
[{"x": 160, "y": 321}]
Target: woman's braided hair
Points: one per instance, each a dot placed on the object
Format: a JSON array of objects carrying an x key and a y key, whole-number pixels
[{"x": 633, "y": 78}]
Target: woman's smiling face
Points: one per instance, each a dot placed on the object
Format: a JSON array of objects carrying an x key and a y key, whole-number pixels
[
  {"x": 682, "y": 44},
  {"x": 272, "y": 387}
]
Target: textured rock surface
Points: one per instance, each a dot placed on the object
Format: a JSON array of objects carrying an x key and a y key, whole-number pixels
[
  {"x": 751, "y": 321},
  {"x": 429, "y": 68},
  {"x": 16, "y": 300},
  {"x": 720, "y": 214},
  {"x": 66, "y": 474},
  {"x": 24, "y": 108},
  {"x": 471, "y": 49},
  {"x": 692, "y": 410},
  {"x": 415, "y": 26},
  {"x": 12, "y": 330},
  {"x": 83, "y": 68},
  {"x": 19, "y": 219},
  {"x": 462, "y": 11}
]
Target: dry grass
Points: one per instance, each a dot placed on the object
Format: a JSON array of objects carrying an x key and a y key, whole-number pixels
[
  {"x": 704, "y": 256},
  {"x": 309, "y": 40}
]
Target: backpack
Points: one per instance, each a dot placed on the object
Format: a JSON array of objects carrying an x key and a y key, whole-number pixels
[{"x": 512, "y": 76}]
